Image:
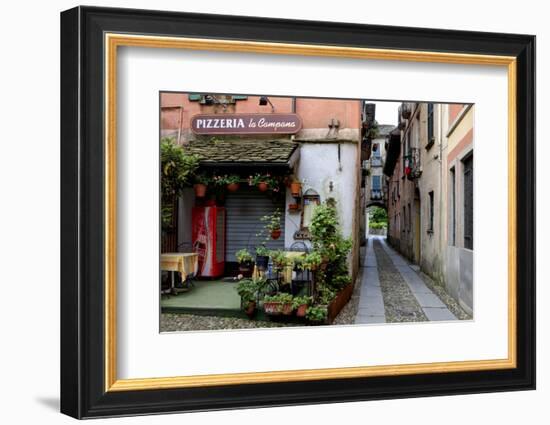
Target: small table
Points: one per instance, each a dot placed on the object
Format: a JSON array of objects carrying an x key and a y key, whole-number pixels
[{"x": 185, "y": 263}]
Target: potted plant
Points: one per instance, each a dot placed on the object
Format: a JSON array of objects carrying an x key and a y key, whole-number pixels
[
  {"x": 232, "y": 182},
  {"x": 201, "y": 184},
  {"x": 317, "y": 314},
  {"x": 277, "y": 304},
  {"x": 312, "y": 261},
  {"x": 264, "y": 182},
  {"x": 296, "y": 188},
  {"x": 262, "y": 257},
  {"x": 279, "y": 258},
  {"x": 246, "y": 262},
  {"x": 248, "y": 291},
  {"x": 300, "y": 304},
  {"x": 294, "y": 207},
  {"x": 273, "y": 224}
]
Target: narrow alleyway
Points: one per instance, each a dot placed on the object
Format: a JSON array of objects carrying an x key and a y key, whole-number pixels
[{"x": 392, "y": 291}]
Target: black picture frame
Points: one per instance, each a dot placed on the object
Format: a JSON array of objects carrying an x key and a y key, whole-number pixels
[{"x": 83, "y": 392}]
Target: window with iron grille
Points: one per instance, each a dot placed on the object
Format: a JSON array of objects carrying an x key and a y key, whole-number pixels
[
  {"x": 453, "y": 206},
  {"x": 376, "y": 182},
  {"x": 431, "y": 215},
  {"x": 468, "y": 171},
  {"x": 430, "y": 120}
]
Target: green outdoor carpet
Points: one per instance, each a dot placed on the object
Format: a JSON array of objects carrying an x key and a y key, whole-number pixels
[{"x": 208, "y": 295}]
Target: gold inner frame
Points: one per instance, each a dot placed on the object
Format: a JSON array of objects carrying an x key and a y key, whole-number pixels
[{"x": 113, "y": 41}]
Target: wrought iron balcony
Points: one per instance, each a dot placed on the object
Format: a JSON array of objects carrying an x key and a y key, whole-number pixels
[
  {"x": 376, "y": 161},
  {"x": 376, "y": 195},
  {"x": 411, "y": 164}
]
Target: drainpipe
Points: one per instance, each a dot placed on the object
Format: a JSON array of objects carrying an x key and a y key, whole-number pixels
[
  {"x": 440, "y": 137},
  {"x": 181, "y": 124},
  {"x": 293, "y": 109}
]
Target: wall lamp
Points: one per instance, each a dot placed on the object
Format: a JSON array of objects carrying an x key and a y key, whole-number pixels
[{"x": 264, "y": 100}]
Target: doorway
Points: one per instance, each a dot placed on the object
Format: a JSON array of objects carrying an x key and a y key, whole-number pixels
[{"x": 417, "y": 248}]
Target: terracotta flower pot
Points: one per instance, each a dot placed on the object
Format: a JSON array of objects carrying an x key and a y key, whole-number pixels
[
  {"x": 200, "y": 190},
  {"x": 250, "y": 309},
  {"x": 262, "y": 186},
  {"x": 301, "y": 310},
  {"x": 286, "y": 309},
  {"x": 276, "y": 234},
  {"x": 296, "y": 188},
  {"x": 272, "y": 308},
  {"x": 287, "y": 181},
  {"x": 233, "y": 187}
]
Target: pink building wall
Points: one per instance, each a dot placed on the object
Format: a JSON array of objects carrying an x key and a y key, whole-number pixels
[{"x": 315, "y": 113}]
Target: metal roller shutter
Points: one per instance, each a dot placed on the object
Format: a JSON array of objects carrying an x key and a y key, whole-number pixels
[{"x": 244, "y": 209}]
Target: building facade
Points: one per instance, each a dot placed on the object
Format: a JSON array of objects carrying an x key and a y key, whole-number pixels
[
  {"x": 375, "y": 187},
  {"x": 324, "y": 155},
  {"x": 429, "y": 173}
]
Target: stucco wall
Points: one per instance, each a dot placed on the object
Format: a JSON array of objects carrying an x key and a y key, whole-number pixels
[
  {"x": 318, "y": 167},
  {"x": 459, "y": 276}
]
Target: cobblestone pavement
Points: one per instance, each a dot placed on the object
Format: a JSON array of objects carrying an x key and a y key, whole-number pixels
[
  {"x": 348, "y": 313},
  {"x": 190, "y": 322},
  {"x": 399, "y": 302}
]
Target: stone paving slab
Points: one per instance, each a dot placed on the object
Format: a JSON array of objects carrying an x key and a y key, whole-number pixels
[
  {"x": 364, "y": 320},
  {"x": 371, "y": 303},
  {"x": 429, "y": 300},
  {"x": 432, "y": 306},
  {"x": 438, "y": 314}
]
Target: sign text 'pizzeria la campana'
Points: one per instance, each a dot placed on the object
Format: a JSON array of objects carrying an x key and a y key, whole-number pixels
[{"x": 246, "y": 124}]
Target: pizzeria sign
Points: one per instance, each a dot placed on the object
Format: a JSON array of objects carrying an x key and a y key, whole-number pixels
[{"x": 246, "y": 124}]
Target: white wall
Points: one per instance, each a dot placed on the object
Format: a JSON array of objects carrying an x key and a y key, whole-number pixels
[
  {"x": 318, "y": 167},
  {"x": 30, "y": 195}
]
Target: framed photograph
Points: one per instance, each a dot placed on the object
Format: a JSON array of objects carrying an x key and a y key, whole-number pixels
[{"x": 261, "y": 212}]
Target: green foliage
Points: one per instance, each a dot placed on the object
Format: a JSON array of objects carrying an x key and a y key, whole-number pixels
[
  {"x": 280, "y": 297},
  {"x": 248, "y": 289},
  {"x": 298, "y": 301},
  {"x": 326, "y": 294},
  {"x": 272, "y": 221},
  {"x": 373, "y": 130},
  {"x": 312, "y": 260},
  {"x": 257, "y": 178},
  {"x": 243, "y": 255},
  {"x": 378, "y": 225},
  {"x": 329, "y": 243},
  {"x": 324, "y": 225},
  {"x": 340, "y": 281},
  {"x": 316, "y": 313},
  {"x": 203, "y": 178},
  {"x": 177, "y": 168},
  {"x": 262, "y": 251},
  {"x": 279, "y": 258},
  {"x": 378, "y": 215},
  {"x": 225, "y": 179}
]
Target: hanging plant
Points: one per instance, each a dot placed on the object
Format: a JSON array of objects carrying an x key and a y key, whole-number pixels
[
  {"x": 264, "y": 182},
  {"x": 273, "y": 224},
  {"x": 201, "y": 184},
  {"x": 232, "y": 182}
]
